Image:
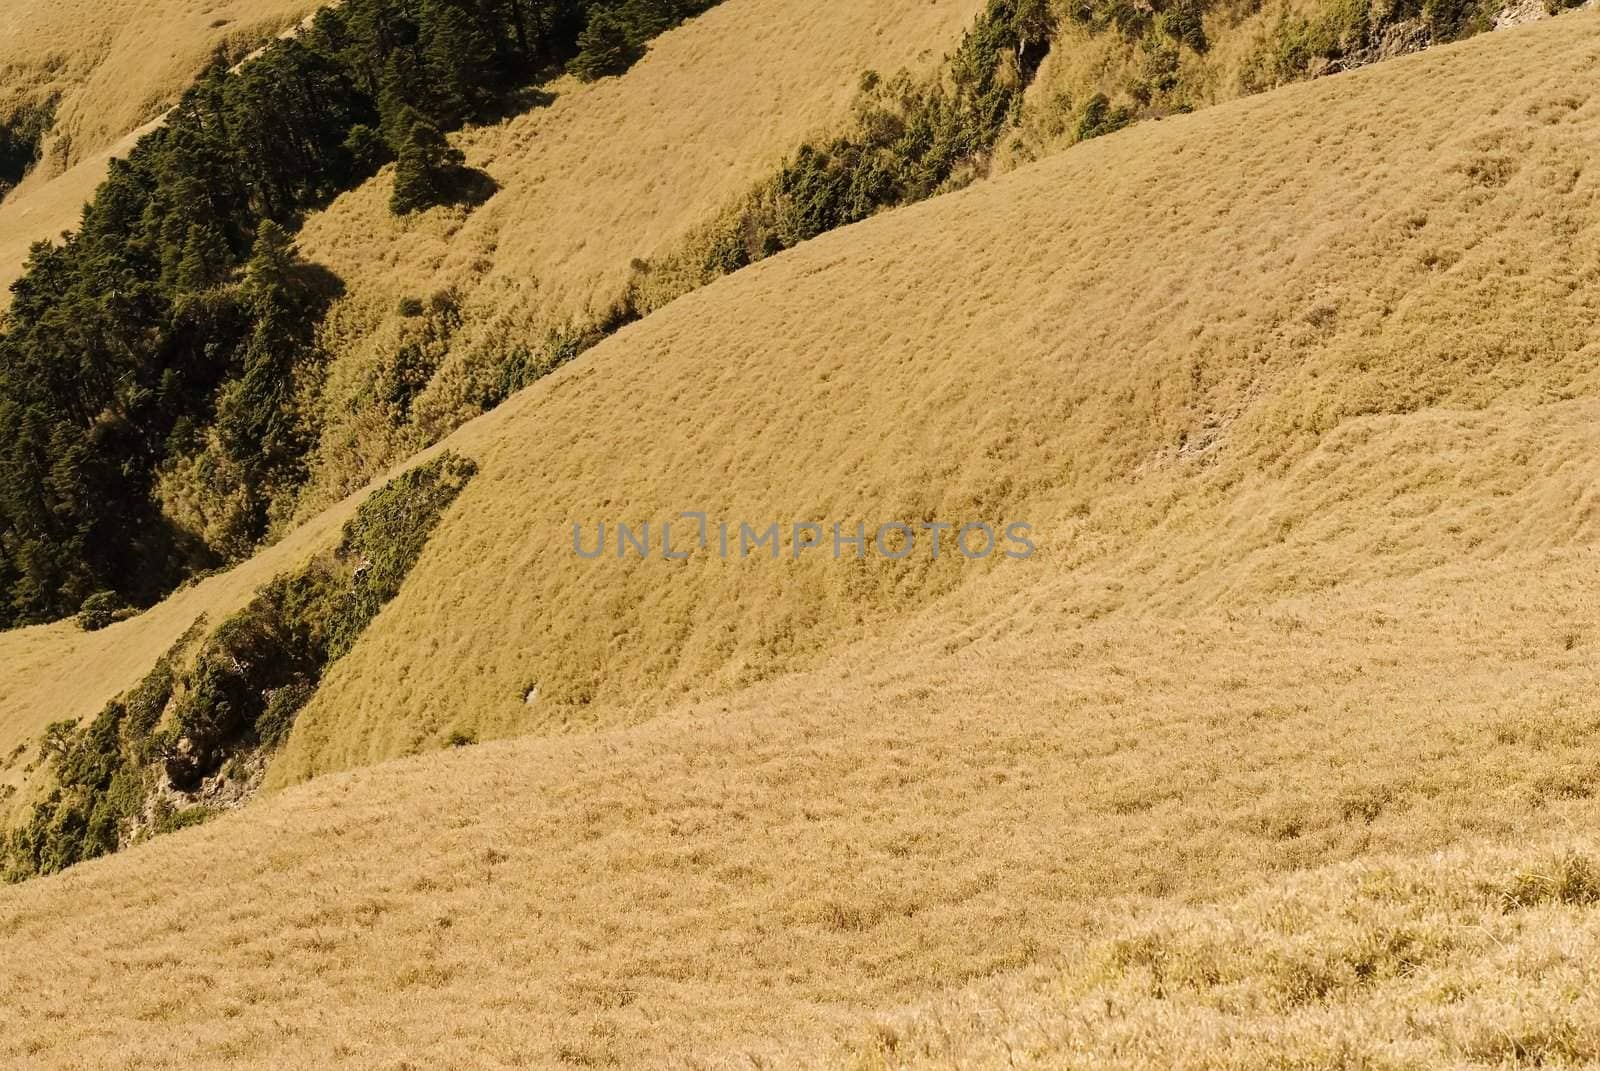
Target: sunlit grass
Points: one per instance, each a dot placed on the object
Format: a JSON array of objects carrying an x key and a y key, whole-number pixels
[{"x": 1299, "y": 393}]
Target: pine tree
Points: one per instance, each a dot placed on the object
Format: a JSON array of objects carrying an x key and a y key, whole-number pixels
[
  {"x": 604, "y": 48},
  {"x": 271, "y": 261},
  {"x": 428, "y": 167},
  {"x": 644, "y": 19},
  {"x": 455, "y": 52},
  {"x": 206, "y": 259}
]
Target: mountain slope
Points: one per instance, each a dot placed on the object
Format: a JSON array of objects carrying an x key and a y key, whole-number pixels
[
  {"x": 1131, "y": 349},
  {"x": 1299, "y": 394},
  {"x": 756, "y": 875},
  {"x": 606, "y": 176}
]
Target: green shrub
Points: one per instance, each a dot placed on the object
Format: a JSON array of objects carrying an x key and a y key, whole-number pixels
[
  {"x": 172, "y": 821},
  {"x": 283, "y": 706},
  {"x": 99, "y": 610},
  {"x": 1100, "y": 118}
]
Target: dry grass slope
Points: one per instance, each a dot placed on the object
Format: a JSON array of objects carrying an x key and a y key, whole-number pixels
[
  {"x": 115, "y": 66},
  {"x": 1301, "y": 396},
  {"x": 1480, "y": 958},
  {"x": 1163, "y": 349}
]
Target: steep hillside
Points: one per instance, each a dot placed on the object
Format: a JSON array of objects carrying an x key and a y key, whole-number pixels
[
  {"x": 80, "y": 77},
  {"x": 1299, "y": 396},
  {"x": 1134, "y": 368},
  {"x": 286, "y": 413},
  {"x": 171, "y": 368}
]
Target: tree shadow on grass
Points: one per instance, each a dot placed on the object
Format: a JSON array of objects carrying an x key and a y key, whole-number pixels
[{"x": 469, "y": 187}]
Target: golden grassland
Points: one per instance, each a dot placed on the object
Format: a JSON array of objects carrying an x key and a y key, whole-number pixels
[
  {"x": 604, "y": 175},
  {"x": 754, "y": 875},
  {"x": 1300, "y": 394},
  {"x": 1481, "y": 957},
  {"x": 116, "y": 65}
]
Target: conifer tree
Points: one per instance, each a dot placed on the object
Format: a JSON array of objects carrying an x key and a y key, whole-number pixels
[
  {"x": 366, "y": 149},
  {"x": 604, "y": 47},
  {"x": 206, "y": 259},
  {"x": 271, "y": 260},
  {"x": 454, "y": 51},
  {"x": 427, "y": 167},
  {"x": 644, "y": 19}
]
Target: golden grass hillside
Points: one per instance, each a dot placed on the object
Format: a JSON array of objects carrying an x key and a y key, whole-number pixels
[
  {"x": 1232, "y": 50},
  {"x": 113, "y": 66},
  {"x": 605, "y": 175},
  {"x": 1139, "y": 347},
  {"x": 1300, "y": 395},
  {"x": 759, "y": 875}
]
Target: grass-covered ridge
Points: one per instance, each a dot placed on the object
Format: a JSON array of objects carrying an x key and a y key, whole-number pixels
[
  {"x": 194, "y": 416},
  {"x": 195, "y": 733},
  {"x": 1027, "y": 78}
]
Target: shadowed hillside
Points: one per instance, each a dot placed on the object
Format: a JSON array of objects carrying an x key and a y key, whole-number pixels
[{"x": 1298, "y": 394}]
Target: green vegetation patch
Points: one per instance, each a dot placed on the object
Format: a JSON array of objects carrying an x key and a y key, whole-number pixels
[
  {"x": 22, "y": 137},
  {"x": 211, "y": 704}
]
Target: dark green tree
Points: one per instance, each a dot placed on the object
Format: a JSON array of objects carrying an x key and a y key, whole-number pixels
[
  {"x": 206, "y": 259},
  {"x": 367, "y": 149},
  {"x": 604, "y": 47},
  {"x": 427, "y": 169},
  {"x": 454, "y": 51},
  {"x": 644, "y": 19}
]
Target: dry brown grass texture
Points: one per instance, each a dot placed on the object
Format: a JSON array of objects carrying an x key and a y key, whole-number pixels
[
  {"x": 1480, "y": 958},
  {"x": 757, "y": 874},
  {"x": 116, "y": 65},
  {"x": 1301, "y": 395},
  {"x": 582, "y": 181}
]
